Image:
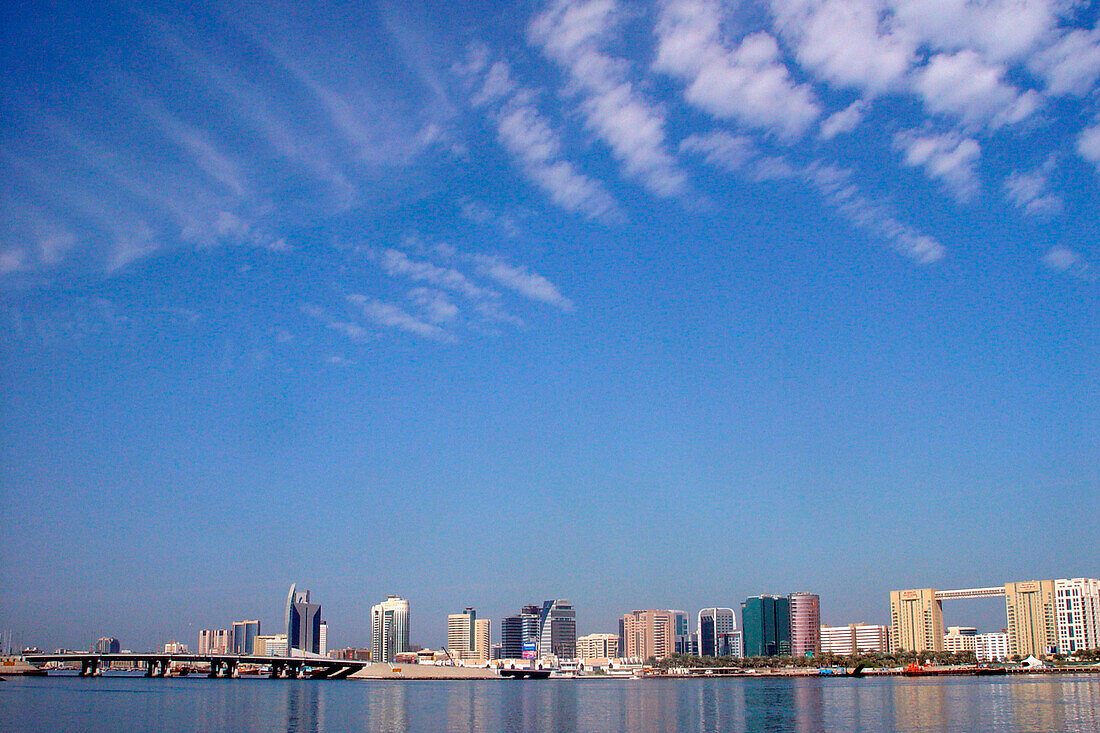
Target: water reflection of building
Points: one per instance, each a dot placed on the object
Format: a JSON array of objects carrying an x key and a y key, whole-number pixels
[
  {"x": 388, "y": 707},
  {"x": 923, "y": 704},
  {"x": 305, "y": 708}
]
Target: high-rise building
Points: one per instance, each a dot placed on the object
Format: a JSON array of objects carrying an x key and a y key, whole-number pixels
[
  {"x": 106, "y": 645},
  {"x": 991, "y": 647},
  {"x": 460, "y": 633},
  {"x": 805, "y": 624},
  {"x": 767, "y": 626},
  {"x": 483, "y": 638},
  {"x": 322, "y": 639},
  {"x": 960, "y": 639},
  {"x": 557, "y": 630},
  {"x": 916, "y": 620},
  {"x": 598, "y": 646},
  {"x": 518, "y": 629},
  {"x": 711, "y": 623},
  {"x": 1032, "y": 618},
  {"x": 648, "y": 634},
  {"x": 389, "y": 629},
  {"x": 1077, "y": 602},
  {"x": 244, "y": 636},
  {"x": 303, "y": 624}
]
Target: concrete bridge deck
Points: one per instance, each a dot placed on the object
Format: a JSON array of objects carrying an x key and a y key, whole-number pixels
[{"x": 221, "y": 665}]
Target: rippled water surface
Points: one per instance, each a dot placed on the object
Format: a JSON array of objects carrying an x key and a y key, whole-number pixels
[{"x": 1035, "y": 703}]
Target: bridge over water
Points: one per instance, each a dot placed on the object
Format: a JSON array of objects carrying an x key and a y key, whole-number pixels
[{"x": 221, "y": 665}]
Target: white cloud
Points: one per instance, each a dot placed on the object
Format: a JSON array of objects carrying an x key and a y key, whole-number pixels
[
  {"x": 1070, "y": 262},
  {"x": 393, "y": 316},
  {"x": 1072, "y": 64},
  {"x": 396, "y": 262},
  {"x": 844, "y": 121},
  {"x": 738, "y": 154},
  {"x": 748, "y": 83},
  {"x": 1088, "y": 144},
  {"x": 1030, "y": 190},
  {"x": 1001, "y": 30},
  {"x": 962, "y": 84},
  {"x": 851, "y": 43},
  {"x": 528, "y": 137},
  {"x": 521, "y": 280},
  {"x": 948, "y": 157},
  {"x": 571, "y": 33},
  {"x": 12, "y": 260},
  {"x": 435, "y": 305}
]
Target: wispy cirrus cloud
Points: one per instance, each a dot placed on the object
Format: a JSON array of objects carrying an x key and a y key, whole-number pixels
[
  {"x": 521, "y": 280},
  {"x": 738, "y": 154},
  {"x": 527, "y": 135},
  {"x": 394, "y": 316},
  {"x": 948, "y": 157},
  {"x": 1030, "y": 190},
  {"x": 572, "y": 34}
]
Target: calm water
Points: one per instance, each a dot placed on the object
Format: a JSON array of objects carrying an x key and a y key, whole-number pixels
[{"x": 1039, "y": 704}]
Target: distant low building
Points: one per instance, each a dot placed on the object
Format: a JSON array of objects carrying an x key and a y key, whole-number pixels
[
  {"x": 270, "y": 646},
  {"x": 598, "y": 646},
  {"x": 855, "y": 638},
  {"x": 175, "y": 647},
  {"x": 992, "y": 647},
  {"x": 960, "y": 639}
]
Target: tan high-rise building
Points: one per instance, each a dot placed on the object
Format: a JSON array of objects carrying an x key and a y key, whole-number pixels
[
  {"x": 916, "y": 620},
  {"x": 460, "y": 634},
  {"x": 1032, "y": 618},
  {"x": 598, "y": 646},
  {"x": 483, "y": 638},
  {"x": 648, "y": 634}
]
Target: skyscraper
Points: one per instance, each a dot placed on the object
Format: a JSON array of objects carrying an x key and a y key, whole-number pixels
[
  {"x": 805, "y": 624},
  {"x": 483, "y": 638},
  {"x": 460, "y": 633},
  {"x": 322, "y": 639},
  {"x": 710, "y": 624},
  {"x": 303, "y": 624},
  {"x": 1078, "y": 608},
  {"x": 389, "y": 629},
  {"x": 517, "y": 630},
  {"x": 558, "y": 630},
  {"x": 1032, "y": 618},
  {"x": 916, "y": 620},
  {"x": 244, "y": 636},
  {"x": 106, "y": 645},
  {"x": 767, "y": 621},
  {"x": 648, "y": 634}
]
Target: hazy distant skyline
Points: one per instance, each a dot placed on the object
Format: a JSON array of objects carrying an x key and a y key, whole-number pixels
[{"x": 645, "y": 305}]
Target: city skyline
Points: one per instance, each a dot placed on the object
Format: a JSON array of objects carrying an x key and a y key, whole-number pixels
[
  {"x": 1040, "y": 617},
  {"x": 505, "y": 288}
]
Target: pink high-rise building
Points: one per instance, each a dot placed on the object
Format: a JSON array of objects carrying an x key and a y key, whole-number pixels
[{"x": 805, "y": 624}]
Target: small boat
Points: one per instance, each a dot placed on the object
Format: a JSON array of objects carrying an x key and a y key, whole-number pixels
[
  {"x": 526, "y": 674},
  {"x": 990, "y": 671}
]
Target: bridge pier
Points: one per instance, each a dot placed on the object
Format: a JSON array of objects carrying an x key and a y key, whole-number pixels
[{"x": 89, "y": 667}]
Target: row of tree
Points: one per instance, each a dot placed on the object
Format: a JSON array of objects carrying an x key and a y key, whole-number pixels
[{"x": 828, "y": 659}]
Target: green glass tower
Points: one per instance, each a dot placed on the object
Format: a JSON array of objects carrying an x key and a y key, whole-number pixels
[{"x": 767, "y": 626}]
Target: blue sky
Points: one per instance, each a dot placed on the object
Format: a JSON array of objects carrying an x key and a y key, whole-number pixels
[{"x": 639, "y": 304}]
